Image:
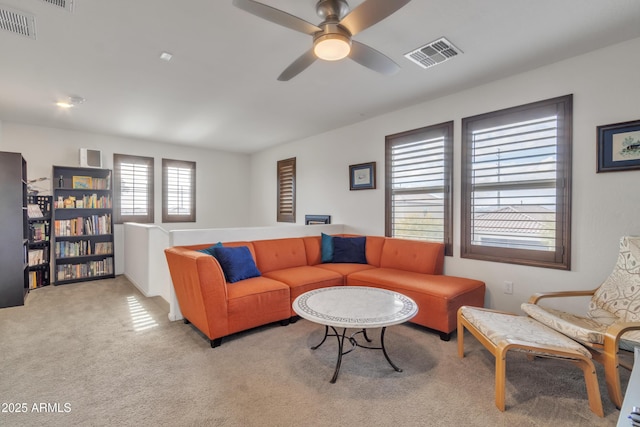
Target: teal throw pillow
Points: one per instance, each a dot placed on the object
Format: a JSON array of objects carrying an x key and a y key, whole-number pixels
[
  {"x": 236, "y": 262},
  {"x": 209, "y": 250},
  {"x": 349, "y": 250},
  {"x": 327, "y": 248}
]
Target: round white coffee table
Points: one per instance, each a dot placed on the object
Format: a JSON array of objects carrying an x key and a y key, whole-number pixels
[{"x": 354, "y": 307}]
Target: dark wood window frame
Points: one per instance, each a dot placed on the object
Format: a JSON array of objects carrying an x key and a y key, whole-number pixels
[
  {"x": 139, "y": 182},
  {"x": 166, "y": 193},
  {"x": 286, "y": 190},
  {"x": 556, "y": 178},
  {"x": 437, "y": 177}
]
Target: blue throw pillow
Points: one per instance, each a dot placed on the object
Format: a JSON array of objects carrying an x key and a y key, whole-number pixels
[
  {"x": 349, "y": 249},
  {"x": 327, "y": 248},
  {"x": 237, "y": 263},
  {"x": 209, "y": 250}
]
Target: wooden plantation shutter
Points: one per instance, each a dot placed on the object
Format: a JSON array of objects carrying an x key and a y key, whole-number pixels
[
  {"x": 178, "y": 191},
  {"x": 287, "y": 190},
  {"x": 516, "y": 184},
  {"x": 419, "y": 168},
  {"x": 133, "y": 189}
]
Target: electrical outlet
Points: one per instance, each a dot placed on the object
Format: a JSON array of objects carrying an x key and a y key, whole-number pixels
[{"x": 507, "y": 287}]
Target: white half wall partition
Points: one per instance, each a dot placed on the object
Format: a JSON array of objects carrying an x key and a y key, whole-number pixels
[{"x": 144, "y": 264}]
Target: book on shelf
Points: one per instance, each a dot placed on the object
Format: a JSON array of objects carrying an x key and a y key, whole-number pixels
[
  {"x": 83, "y": 226},
  {"x": 85, "y": 270},
  {"x": 39, "y": 232}
]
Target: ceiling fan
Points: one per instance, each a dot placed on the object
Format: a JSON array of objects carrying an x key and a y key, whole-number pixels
[{"x": 332, "y": 38}]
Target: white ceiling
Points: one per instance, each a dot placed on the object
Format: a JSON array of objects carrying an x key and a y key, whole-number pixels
[{"x": 220, "y": 89}]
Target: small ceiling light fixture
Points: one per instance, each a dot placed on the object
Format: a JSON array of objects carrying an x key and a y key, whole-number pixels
[
  {"x": 332, "y": 46},
  {"x": 71, "y": 102},
  {"x": 166, "y": 56}
]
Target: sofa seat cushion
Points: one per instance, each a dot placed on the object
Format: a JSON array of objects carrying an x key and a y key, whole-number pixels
[
  {"x": 438, "y": 297},
  {"x": 344, "y": 269},
  {"x": 256, "y": 301},
  {"x": 304, "y": 279},
  {"x": 436, "y": 285}
]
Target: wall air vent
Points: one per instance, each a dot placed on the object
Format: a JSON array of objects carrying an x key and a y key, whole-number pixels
[
  {"x": 433, "y": 53},
  {"x": 17, "y": 22},
  {"x": 64, "y": 4}
]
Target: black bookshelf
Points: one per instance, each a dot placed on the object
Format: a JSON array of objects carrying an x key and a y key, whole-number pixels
[
  {"x": 14, "y": 284},
  {"x": 39, "y": 219},
  {"x": 82, "y": 225}
]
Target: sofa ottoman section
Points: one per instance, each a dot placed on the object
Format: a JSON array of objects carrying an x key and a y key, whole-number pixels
[{"x": 439, "y": 297}]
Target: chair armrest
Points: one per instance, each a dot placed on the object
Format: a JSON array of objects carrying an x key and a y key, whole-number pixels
[
  {"x": 614, "y": 332},
  {"x": 541, "y": 295}
]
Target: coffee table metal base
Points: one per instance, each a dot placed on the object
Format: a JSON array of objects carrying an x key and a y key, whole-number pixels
[{"x": 354, "y": 343}]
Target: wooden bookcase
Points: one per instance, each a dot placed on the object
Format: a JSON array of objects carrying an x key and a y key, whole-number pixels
[
  {"x": 82, "y": 224},
  {"x": 14, "y": 282},
  {"x": 39, "y": 218}
]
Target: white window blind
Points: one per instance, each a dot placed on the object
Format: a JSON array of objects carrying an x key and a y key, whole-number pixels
[
  {"x": 514, "y": 185},
  {"x": 133, "y": 185}
]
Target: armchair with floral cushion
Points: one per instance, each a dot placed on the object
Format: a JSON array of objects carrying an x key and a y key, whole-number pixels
[{"x": 611, "y": 326}]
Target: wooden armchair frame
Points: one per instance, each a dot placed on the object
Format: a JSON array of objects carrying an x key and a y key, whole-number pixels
[{"x": 607, "y": 353}]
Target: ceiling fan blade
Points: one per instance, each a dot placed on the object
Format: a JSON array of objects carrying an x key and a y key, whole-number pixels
[
  {"x": 371, "y": 58},
  {"x": 276, "y": 16},
  {"x": 298, "y": 66},
  {"x": 370, "y": 12}
]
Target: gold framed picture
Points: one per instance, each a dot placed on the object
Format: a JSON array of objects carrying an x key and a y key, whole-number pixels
[{"x": 82, "y": 182}]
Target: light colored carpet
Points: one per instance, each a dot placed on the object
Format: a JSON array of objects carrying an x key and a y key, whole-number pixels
[{"x": 76, "y": 348}]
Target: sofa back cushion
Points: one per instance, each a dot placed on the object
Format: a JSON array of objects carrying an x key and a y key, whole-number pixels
[
  {"x": 277, "y": 254},
  {"x": 313, "y": 248},
  {"x": 413, "y": 255}
]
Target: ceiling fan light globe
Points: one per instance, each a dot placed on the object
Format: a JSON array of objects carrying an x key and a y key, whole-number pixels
[{"x": 332, "y": 47}]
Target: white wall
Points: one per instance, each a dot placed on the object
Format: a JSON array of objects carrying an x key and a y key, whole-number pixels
[
  {"x": 222, "y": 179},
  {"x": 605, "y": 206}
]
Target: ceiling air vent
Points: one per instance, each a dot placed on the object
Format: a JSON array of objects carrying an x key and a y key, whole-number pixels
[
  {"x": 17, "y": 22},
  {"x": 65, "y": 4},
  {"x": 433, "y": 53}
]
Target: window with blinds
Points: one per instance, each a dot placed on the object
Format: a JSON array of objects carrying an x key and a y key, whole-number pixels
[
  {"x": 178, "y": 191},
  {"x": 286, "y": 209},
  {"x": 133, "y": 189},
  {"x": 418, "y": 184},
  {"x": 516, "y": 167}
]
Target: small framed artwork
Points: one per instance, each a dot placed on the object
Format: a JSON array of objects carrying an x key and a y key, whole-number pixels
[
  {"x": 619, "y": 146},
  {"x": 362, "y": 176},
  {"x": 317, "y": 219},
  {"x": 83, "y": 182}
]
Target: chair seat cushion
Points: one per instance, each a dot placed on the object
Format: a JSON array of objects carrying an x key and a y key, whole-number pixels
[{"x": 583, "y": 329}]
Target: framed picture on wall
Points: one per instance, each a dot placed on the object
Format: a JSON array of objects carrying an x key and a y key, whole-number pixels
[
  {"x": 362, "y": 176},
  {"x": 618, "y": 146}
]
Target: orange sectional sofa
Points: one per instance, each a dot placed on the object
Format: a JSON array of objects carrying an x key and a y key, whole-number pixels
[{"x": 291, "y": 266}]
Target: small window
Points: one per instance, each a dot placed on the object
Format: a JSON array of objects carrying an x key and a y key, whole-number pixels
[
  {"x": 418, "y": 184},
  {"x": 178, "y": 191},
  {"x": 287, "y": 190},
  {"x": 516, "y": 184},
  {"x": 133, "y": 189}
]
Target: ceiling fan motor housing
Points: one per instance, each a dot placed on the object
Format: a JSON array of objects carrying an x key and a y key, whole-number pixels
[{"x": 332, "y": 9}]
